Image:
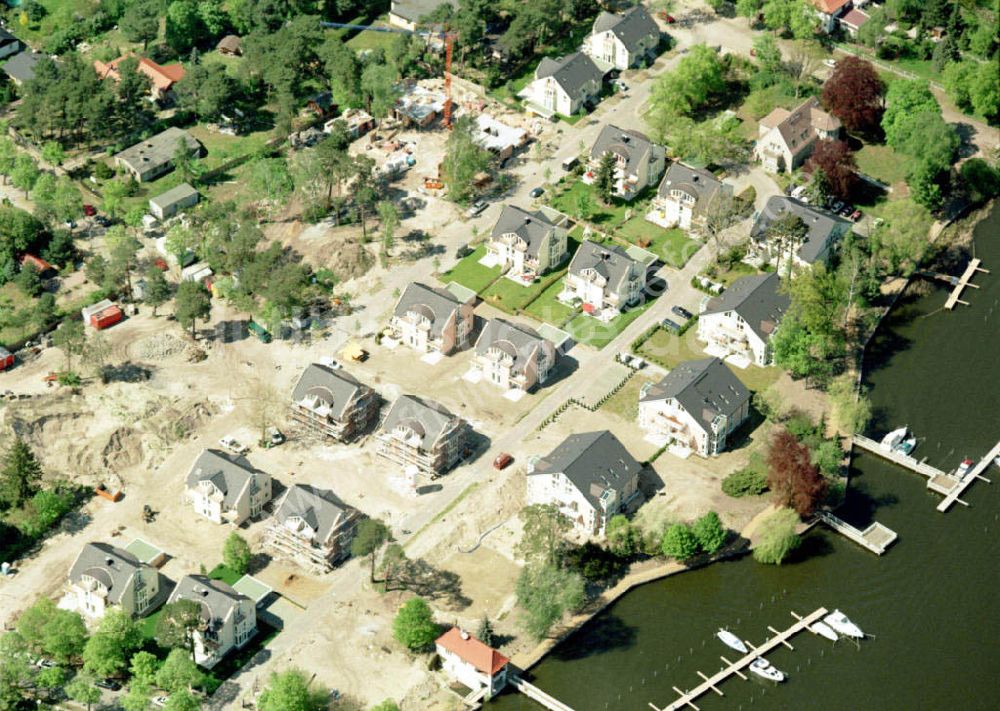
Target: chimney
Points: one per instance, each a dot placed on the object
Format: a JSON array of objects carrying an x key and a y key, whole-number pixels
[{"x": 109, "y": 560}]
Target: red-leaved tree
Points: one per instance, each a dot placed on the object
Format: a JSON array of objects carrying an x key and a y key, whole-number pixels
[
  {"x": 794, "y": 479},
  {"x": 853, "y": 93},
  {"x": 836, "y": 159}
]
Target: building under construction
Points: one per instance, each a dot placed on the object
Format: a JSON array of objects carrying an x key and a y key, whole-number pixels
[
  {"x": 312, "y": 527},
  {"x": 423, "y": 434},
  {"x": 333, "y": 404}
]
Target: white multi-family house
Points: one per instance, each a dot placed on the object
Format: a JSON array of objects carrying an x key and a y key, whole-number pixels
[
  {"x": 333, "y": 403},
  {"x": 589, "y": 478},
  {"x": 742, "y": 321},
  {"x": 564, "y": 86},
  {"x": 514, "y": 356},
  {"x": 623, "y": 41},
  {"x": 685, "y": 197},
  {"x": 638, "y": 161},
  {"x": 787, "y": 138},
  {"x": 604, "y": 279},
  {"x": 228, "y": 618},
  {"x": 225, "y": 489},
  {"x": 431, "y": 320},
  {"x": 470, "y": 662},
  {"x": 823, "y": 230},
  {"x": 829, "y": 11},
  {"x": 423, "y": 434},
  {"x": 526, "y": 244},
  {"x": 311, "y": 526},
  {"x": 104, "y": 576},
  {"x": 697, "y": 406}
]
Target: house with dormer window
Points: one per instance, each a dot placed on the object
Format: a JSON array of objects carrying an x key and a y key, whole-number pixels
[
  {"x": 423, "y": 434},
  {"x": 332, "y": 403},
  {"x": 431, "y": 320},
  {"x": 526, "y": 244},
  {"x": 603, "y": 279},
  {"x": 638, "y": 161},
  {"x": 228, "y": 618},
  {"x": 787, "y": 138},
  {"x": 685, "y": 196},
  {"x": 743, "y": 320},
  {"x": 105, "y": 576},
  {"x": 312, "y": 527},
  {"x": 623, "y": 41},
  {"x": 565, "y": 85},
  {"x": 697, "y": 406},
  {"x": 226, "y": 489},
  {"x": 514, "y": 356}
]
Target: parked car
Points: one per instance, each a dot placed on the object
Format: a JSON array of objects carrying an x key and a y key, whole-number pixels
[
  {"x": 837, "y": 205},
  {"x": 160, "y": 700},
  {"x": 846, "y": 210},
  {"x": 89, "y": 210},
  {"x": 463, "y": 251},
  {"x": 799, "y": 193},
  {"x": 570, "y": 163},
  {"x": 502, "y": 461},
  {"x": 274, "y": 436},
  {"x": 109, "y": 684},
  {"x": 620, "y": 85},
  {"x": 682, "y": 312},
  {"x": 43, "y": 663},
  {"x": 855, "y": 216},
  {"x": 671, "y": 326},
  {"x": 102, "y": 221},
  {"x": 536, "y": 192},
  {"x": 830, "y": 63},
  {"x": 233, "y": 445},
  {"x": 477, "y": 208}
]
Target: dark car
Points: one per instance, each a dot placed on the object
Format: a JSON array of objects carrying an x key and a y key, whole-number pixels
[
  {"x": 109, "y": 684},
  {"x": 536, "y": 192},
  {"x": 682, "y": 312},
  {"x": 463, "y": 251},
  {"x": 670, "y": 326}
]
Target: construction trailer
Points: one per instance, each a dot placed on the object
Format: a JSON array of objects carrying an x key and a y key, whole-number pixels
[{"x": 101, "y": 315}]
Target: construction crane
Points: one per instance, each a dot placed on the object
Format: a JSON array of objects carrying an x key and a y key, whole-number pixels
[{"x": 448, "y": 38}]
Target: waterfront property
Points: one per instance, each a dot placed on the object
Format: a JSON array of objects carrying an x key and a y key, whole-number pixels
[
  {"x": 604, "y": 279},
  {"x": 312, "y": 527},
  {"x": 787, "y": 138},
  {"x": 229, "y": 618},
  {"x": 823, "y": 230},
  {"x": 696, "y": 406},
  {"x": 225, "y": 489},
  {"x": 105, "y": 576},
  {"x": 589, "y": 477},
  {"x": 686, "y": 196},
  {"x": 740, "y": 323},
  {"x": 526, "y": 244},
  {"x": 332, "y": 403},
  {"x": 471, "y": 662},
  {"x": 431, "y": 320},
  {"x": 638, "y": 162},
  {"x": 514, "y": 356},
  {"x": 422, "y": 434}
]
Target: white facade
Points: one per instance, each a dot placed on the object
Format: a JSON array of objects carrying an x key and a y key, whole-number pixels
[
  {"x": 558, "y": 490},
  {"x": 672, "y": 210},
  {"x": 209, "y": 501},
  {"x": 497, "y": 366},
  {"x": 91, "y": 597},
  {"x": 606, "y": 47},
  {"x": 667, "y": 419},
  {"x": 630, "y": 181},
  {"x": 729, "y": 332},
  {"x": 510, "y": 252},
  {"x": 592, "y": 289}
]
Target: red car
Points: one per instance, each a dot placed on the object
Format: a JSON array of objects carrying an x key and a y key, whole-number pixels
[
  {"x": 502, "y": 461},
  {"x": 89, "y": 210}
]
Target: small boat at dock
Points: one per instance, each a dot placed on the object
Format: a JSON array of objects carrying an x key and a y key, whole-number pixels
[
  {"x": 996, "y": 460},
  {"x": 964, "y": 468},
  {"x": 823, "y": 630},
  {"x": 890, "y": 441},
  {"x": 840, "y": 624},
  {"x": 765, "y": 670},
  {"x": 906, "y": 445},
  {"x": 731, "y": 640}
]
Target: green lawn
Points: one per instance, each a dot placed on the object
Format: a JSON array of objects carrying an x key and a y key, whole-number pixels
[
  {"x": 587, "y": 329},
  {"x": 673, "y": 246},
  {"x": 507, "y": 295},
  {"x": 549, "y": 309},
  {"x": 882, "y": 163},
  {"x": 148, "y": 625},
  {"x": 369, "y": 40},
  {"x": 470, "y": 273},
  {"x": 565, "y": 199},
  {"x": 625, "y": 402},
  {"x": 231, "y": 63},
  {"x": 59, "y": 14},
  {"x": 224, "y": 573},
  {"x": 728, "y": 276}
]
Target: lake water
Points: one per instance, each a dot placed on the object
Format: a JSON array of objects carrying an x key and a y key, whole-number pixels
[{"x": 931, "y": 601}]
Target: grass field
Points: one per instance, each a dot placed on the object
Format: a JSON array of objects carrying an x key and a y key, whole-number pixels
[
  {"x": 510, "y": 296},
  {"x": 368, "y": 40},
  {"x": 673, "y": 246},
  {"x": 882, "y": 163},
  {"x": 470, "y": 273},
  {"x": 549, "y": 309},
  {"x": 625, "y": 402},
  {"x": 567, "y": 200}
]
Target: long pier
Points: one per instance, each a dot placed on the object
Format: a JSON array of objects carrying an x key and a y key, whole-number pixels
[
  {"x": 973, "y": 474},
  {"x": 964, "y": 281},
  {"x": 537, "y": 695},
  {"x": 687, "y": 698},
  {"x": 876, "y": 538}
]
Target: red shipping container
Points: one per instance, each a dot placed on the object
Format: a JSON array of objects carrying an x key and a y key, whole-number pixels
[{"x": 109, "y": 317}]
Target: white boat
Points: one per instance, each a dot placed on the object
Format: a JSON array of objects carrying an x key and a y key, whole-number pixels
[
  {"x": 907, "y": 445},
  {"x": 731, "y": 640},
  {"x": 996, "y": 460},
  {"x": 763, "y": 668},
  {"x": 964, "y": 468},
  {"x": 842, "y": 625},
  {"x": 823, "y": 630},
  {"x": 893, "y": 438}
]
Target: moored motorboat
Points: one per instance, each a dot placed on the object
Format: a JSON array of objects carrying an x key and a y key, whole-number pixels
[
  {"x": 731, "y": 640},
  {"x": 893, "y": 438},
  {"x": 996, "y": 460},
  {"x": 823, "y": 630},
  {"x": 765, "y": 670},
  {"x": 907, "y": 445},
  {"x": 840, "y": 624},
  {"x": 964, "y": 468}
]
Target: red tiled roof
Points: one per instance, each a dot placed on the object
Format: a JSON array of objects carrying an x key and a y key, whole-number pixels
[
  {"x": 854, "y": 18},
  {"x": 829, "y": 6},
  {"x": 163, "y": 77},
  {"x": 469, "y": 649}
]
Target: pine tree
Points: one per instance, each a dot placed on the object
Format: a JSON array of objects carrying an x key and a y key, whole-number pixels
[
  {"x": 604, "y": 180},
  {"x": 485, "y": 632},
  {"x": 20, "y": 474}
]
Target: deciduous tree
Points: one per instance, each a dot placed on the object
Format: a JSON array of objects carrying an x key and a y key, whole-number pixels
[
  {"x": 794, "y": 479},
  {"x": 836, "y": 160},
  {"x": 777, "y": 537},
  {"x": 109, "y": 649},
  {"x": 236, "y": 553},
  {"x": 370, "y": 536},
  {"x": 69, "y": 338},
  {"x": 291, "y": 691},
  {"x": 542, "y": 536},
  {"x": 82, "y": 690},
  {"x": 178, "y": 672},
  {"x": 679, "y": 542},
  {"x": 545, "y": 593},
  {"x": 464, "y": 158},
  {"x": 854, "y": 94},
  {"x": 177, "y": 624},
  {"x": 709, "y": 532},
  {"x": 414, "y": 626}
]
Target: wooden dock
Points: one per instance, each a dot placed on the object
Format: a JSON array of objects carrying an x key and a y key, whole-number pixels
[
  {"x": 537, "y": 695},
  {"x": 876, "y": 538},
  {"x": 936, "y": 479},
  {"x": 964, "y": 281},
  {"x": 975, "y": 473},
  {"x": 711, "y": 683}
]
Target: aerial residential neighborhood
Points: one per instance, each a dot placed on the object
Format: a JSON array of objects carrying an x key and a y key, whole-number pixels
[{"x": 427, "y": 355}]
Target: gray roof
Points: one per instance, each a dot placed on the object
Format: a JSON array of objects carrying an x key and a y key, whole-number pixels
[
  {"x": 157, "y": 150},
  {"x": 216, "y": 598},
  {"x": 631, "y": 145},
  {"x": 437, "y": 305},
  {"x": 335, "y": 388},
  {"x": 112, "y": 566},
  {"x": 699, "y": 184},
  {"x": 428, "y": 419},
  {"x": 571, "y": 72},
  {"x": 630, "y": 27},
  {"x": 757, "y": 299},
  {"x": 532, "y": 227},
  {"x": 822, "y": 224},
  {"x": 515, "y": 339},
  {"x": 230, "y": 476},
  {"x": 21, "y": 67},
  {"x": 174, "y": 195},
  {"x": 593, "y": 461},
  {"x": 704, "y": 388},
  {"x": 6, "y": 36},
  {"x": 414, "y": 10},
  {"x": 611, "y": 262},
  {"x": 319, "y": 508}
]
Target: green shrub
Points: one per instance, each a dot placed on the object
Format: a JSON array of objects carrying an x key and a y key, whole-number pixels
[{"x": 745, "y": 482}]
